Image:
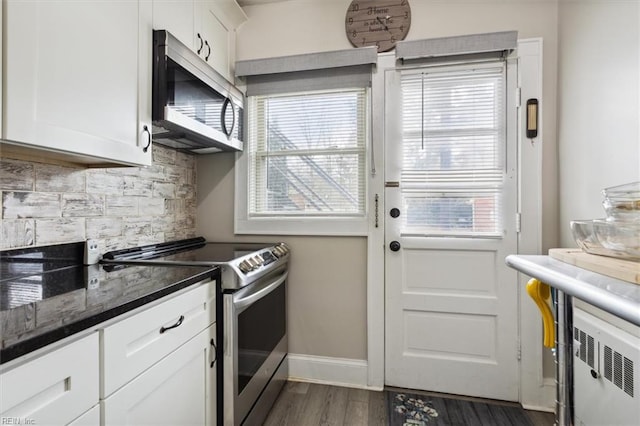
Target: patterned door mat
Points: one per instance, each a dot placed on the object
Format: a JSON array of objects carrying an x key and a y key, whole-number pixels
[{"x": 406, "y": 409}]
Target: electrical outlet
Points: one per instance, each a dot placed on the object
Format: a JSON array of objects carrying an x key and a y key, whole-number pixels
[
  {"x": 91, "y": 252},
  {"x": 92, "y": 276}
]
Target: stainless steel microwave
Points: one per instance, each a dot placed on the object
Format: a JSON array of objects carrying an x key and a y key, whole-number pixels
[{"x": 194, "y": 107}]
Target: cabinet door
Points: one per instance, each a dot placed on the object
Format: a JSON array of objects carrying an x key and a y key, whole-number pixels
[
  {"x": 177, "y": 17},
  {"x": 216, "y": 38},
  {"x": 173, "y": 392},
  {"x": 54, "y": 388},
  {"x": 90, "y": 418},
  {"x": 78, "y": 77}
]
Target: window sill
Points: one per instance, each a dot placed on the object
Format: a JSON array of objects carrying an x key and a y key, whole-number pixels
[{"x": 302, "y": 226}]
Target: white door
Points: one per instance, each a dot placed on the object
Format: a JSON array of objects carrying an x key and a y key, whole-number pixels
[{"x": 451, "y": 302}]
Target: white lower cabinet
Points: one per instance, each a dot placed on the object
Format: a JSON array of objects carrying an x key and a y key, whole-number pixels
[
  {"x": 134, "y": 344},
  {"x": 157, "y": 367},
  {"x": 178, "y": 390},
  {"x": 90, "y": 418},
  {"x": 54, "y": 389}
]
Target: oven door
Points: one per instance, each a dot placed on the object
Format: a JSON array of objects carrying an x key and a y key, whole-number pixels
[{"x": 255, "y": 334}]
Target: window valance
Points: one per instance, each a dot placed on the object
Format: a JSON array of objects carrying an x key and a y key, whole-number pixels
[
  {"x": 311, "y": 71},
  {"x": 498, "y": 44}
]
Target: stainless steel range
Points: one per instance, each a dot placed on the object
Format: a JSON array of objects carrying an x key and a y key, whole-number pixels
[{"x": 251, "y": 316}]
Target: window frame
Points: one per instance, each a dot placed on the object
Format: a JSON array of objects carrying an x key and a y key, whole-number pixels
[{"x": 325, "y": 225}]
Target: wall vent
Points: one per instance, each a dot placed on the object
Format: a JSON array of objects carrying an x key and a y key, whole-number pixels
[
  {"x": 587, "y": 347},
  {"x": 618, "y": 369}
]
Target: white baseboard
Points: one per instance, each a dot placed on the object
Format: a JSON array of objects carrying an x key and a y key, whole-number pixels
[
  {"x": 329, "y": 371},
  {"x": 547, "y": 401}
]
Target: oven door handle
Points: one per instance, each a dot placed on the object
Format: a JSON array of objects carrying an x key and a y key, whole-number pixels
[{"x": 248, "y": 300}]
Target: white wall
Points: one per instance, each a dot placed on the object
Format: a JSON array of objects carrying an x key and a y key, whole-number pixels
[
  {"x": 598, "y": 107},
  {"x": 327, "y": 307},
  {"x": 327, "y": 277}
]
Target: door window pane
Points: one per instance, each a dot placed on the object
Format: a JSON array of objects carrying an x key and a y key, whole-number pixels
[{"x": 453, "y": 139}]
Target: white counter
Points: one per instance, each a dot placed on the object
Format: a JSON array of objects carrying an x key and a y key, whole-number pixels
[{"x": 619, "y": 298}]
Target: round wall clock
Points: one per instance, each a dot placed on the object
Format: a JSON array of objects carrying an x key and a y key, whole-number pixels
[{"x": 377, "y": 23}]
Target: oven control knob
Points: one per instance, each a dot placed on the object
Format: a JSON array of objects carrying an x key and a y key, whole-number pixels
[
  {"x": 251, "y": 264},
  {"x": 257, "y": 260},
  {"x": 244, "y": 266}
]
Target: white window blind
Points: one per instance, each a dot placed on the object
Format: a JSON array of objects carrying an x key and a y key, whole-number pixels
[
  {"x": 453, "y": 152},
  {"x": 307, "y": 154}
]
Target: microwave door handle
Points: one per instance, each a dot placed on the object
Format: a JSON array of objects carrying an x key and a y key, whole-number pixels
[
  {"x": 223, "y": 115},
  {"x": 242, "y": 303}
]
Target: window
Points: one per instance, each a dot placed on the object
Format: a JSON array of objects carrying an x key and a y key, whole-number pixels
[
  {"x": 307, "y": 154},
  {"x": 454, "y": 137},
  {"x": 303, "y": 171}
]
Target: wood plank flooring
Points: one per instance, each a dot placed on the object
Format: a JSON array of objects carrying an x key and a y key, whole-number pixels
[{"x": 310, "y": 404}]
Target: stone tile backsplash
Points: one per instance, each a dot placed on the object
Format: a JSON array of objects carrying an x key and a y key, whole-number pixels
[{"x": 121, "y": 207}]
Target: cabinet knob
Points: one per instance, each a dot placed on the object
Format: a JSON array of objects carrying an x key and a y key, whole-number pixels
[
  {"x": 394, "y": 246},
  {"x": 215, "y": 354},
  {"x": 201, "y": 43},
  {"x": 206, "y": 58},
  {"x": 146, "y": 129}
]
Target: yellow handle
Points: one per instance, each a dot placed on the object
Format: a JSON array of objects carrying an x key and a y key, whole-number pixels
[{"x": 540, "y": 292}]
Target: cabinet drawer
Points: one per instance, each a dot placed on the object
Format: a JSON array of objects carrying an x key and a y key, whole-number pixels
[
  {"x": 134, "y": 344},
  {"x": 175, "y": 391},
  {"x": 55, "y": 388}
]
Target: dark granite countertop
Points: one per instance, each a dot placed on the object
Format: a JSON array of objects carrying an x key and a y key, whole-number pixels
[{"x": 47, "y": 295}]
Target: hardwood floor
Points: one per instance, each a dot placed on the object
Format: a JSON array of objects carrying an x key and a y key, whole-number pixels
[{"x": 310, "y": 404}]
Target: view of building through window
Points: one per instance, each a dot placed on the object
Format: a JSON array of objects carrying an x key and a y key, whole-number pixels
[
  {"x": 308, "y": 153},
  {"x": 453, "y": 151}
]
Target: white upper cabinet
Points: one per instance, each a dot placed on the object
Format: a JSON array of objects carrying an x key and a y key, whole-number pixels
[
  {"x": 177, "y": 17},
  {"x": 1, "y": 32},
  {"x": 206, "y": 26},
  {"x": 78, "y": 78}
]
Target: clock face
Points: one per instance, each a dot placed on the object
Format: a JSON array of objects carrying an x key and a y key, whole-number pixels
[{"x": 377, "y": 23}]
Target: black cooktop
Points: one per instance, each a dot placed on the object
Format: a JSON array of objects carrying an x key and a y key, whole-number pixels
[{"x": 191, "y": 250}]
